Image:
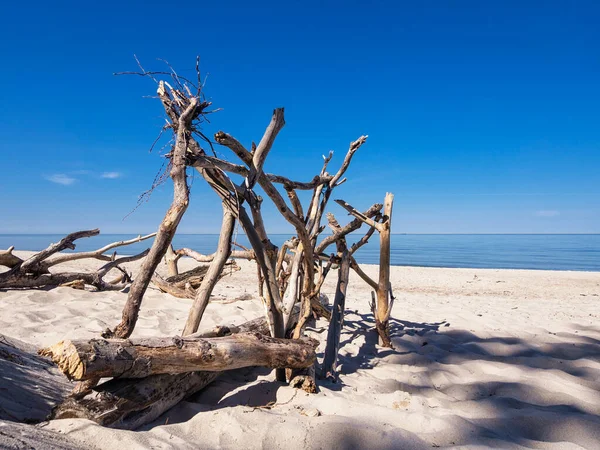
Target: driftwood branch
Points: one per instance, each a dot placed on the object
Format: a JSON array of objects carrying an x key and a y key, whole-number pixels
[
  {"x": 7, "y": 259},
  {"x": 97, "y": 254},
  {"x": 363, "y": 217},
  {"x": 30, "y": 265},
  {"x": 138, "y": 358},
  {"x": 18, "y": 278},
  {"x": 337, "y": 316},
  {"x": 213, "y": 273},
  {"x": 354, "y": 146},
  {"x": 237, "y": 254},
  {"x": 373, "y": 212}
]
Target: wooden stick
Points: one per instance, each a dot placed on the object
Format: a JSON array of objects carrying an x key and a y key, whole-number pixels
[
  {"x": 97, "y": 254},
  {"x": 354, "y": 225},
  {"x": 30, "y": 264},
  {"x": 213, "y": 274},
  {"x": 354, "y": 212},
  {"x": 354, "y": 146},
  {"x": 337, "y": 317}
]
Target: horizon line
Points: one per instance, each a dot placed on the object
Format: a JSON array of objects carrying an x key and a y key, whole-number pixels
[{"x": 292, "y": 234}]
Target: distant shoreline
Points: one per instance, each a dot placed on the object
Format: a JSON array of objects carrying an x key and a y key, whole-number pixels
[{"x": 561, "y": 252}]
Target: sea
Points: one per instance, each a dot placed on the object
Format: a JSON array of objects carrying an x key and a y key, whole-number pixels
[{"x": 578, "y": 252}]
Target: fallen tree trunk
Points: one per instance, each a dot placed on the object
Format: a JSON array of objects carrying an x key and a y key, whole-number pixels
[
  {"x": 138, "y": 358},
  {"x": 130, "y": 403}
]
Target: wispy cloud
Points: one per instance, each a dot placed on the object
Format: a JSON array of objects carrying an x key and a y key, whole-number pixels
[
  {"x": 61, "y": 178},
  {"x": 547, "y": 213},
  {"x": 111, "y": 175}
]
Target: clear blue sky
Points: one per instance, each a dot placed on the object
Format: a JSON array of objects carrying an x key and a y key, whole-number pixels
[{"x": 482, "y": 117}]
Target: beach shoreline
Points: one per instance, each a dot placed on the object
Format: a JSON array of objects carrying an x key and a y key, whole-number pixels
[{"x": 483, "y": 357}]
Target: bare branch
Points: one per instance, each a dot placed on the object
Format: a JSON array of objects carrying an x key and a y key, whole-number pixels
[
  {"x": 359, "y": 215},
  {"x": 243, "y": 254},
  {"x": 66, "y": 242},
  {"x": 295, "y": 202},
  {"x": 354, "y": 146},
  {"x": 354, "y": 225},
  {"x": 97, "y": 254},
  {"x": 354, "y": 265}
]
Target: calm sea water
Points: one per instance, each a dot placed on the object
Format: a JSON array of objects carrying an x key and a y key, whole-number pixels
[{"x": 546, "y": 252}]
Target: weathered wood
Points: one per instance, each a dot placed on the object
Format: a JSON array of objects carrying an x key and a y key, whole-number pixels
[
  {"x": 354, "y": 225},
  {"x": 130, "y": 403},
  {"x": 363, "y": 217},
  {"x": 354, "y": 265},
  {"x": 138, "y": 358},
  {"x": 185, "y": 284},
  {"x": 337, "y": 316},
  {"x": 213, "y": 274},
  {"x": 195, "y": 276},
  {"x": 7, "y": 259},
  {"x": 171, "y": 261},
  {"x": 17, "y": 279},
  {"x": 304, "y": 379},
  {"x": 96, "y": 254},
  {"x": 173, "y": 289},
  {"x": 383, "y": 288},
  {"x": 238, "y": 254},
  {"x": 30, "y": 264},
  {"x": 168, "y": 226},
  {"x": 30, "y": 386}
]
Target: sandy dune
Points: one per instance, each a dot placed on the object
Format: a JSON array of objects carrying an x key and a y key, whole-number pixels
[{"x": 483, "y": 358}]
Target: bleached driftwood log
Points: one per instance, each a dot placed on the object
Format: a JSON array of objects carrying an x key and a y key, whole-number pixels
[
  {"x": 141, "y": 357},
  {"x": 130, "y": 403}
]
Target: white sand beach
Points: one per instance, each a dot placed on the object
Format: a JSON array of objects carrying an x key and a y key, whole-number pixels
[{"x": 482, "y": 358}]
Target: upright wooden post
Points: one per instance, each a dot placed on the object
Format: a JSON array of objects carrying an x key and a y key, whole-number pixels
[
  {"x": 329, "y": 370},
  {"x": 382, "y": 315}
]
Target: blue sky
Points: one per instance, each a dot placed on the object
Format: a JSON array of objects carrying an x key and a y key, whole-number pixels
[{"x": 483, "y": 117}]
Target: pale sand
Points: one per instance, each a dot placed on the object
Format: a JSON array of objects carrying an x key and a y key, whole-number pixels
[{"x": 483, "y": 358}]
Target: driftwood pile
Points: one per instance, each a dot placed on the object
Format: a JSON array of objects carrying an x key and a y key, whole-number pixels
[
  {"x": 34, "y": 272},
  {"x": 151, "y": 375}
]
